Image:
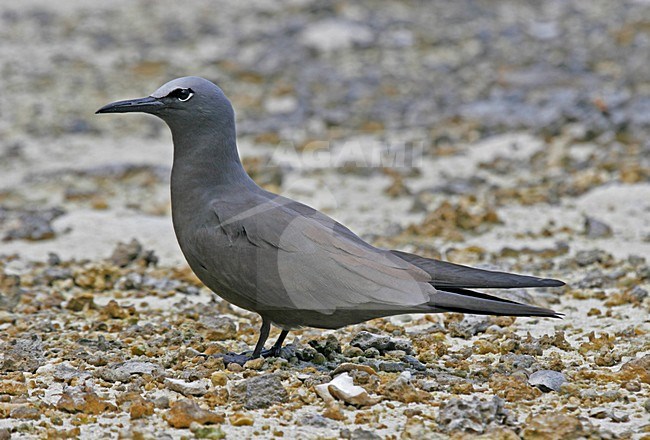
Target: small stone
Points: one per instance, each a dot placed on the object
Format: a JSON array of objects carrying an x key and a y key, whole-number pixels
[
  {"x": 633, "y": 386},
  {"x": 403, "y": 390},
  {"x": 216, "y": 397},
  {"x": 484, "y": 347},
  {"x": 234, "y": 367},
  {"x": 639, "y": 293},
  {"x": 141, "y": 408},
  {"x": 462, "y": 388},
  {"x": 347, "y": 366},
  {"x": 469, "y": 326},
  {"x": 512, "y": 361},
  {"x": 414, "y": 363},
  {"x": 220, "y": 328},
  {"x": 316, "y": 420},
  {"x": 161, "y": 402},
  {"x": 53, "y": 274},
  {"x": 472, "y": 415},
  {"x": 184, "y": 412},
  {"x": 358, "y": 434},
  {"x": 125, "y": 254},
  {"x": 207, "y": 432},
  {"x": 259, "y": 392},
  {"x": 415, "y": 429},
  {"x": 219, "y": 378},
  {"x": 333, "y": 411},
  {"x": 319, "y": 359},
  {"x": 25, "y": 412},
  {"x": 371, "y": 353},
  {"x": 35, "y": 225},
  {"x": 342, "y": 387},
  {"x": 352, "y": 352},
  {"x": 53, "y": 259},
  {"x": 24, "y": 354},
  {"x": 83, "y": 400},
  {"x": 123, "y": 371},
  {"x": 366, "y": 340},
  {"x": 638, "y": 368},
  {"x": 81, "y": 302},
  {"x": 135, "y": 404},
  {"x": 608, "y": 413},
  {"x": 586, "y": 258},
  {"x": 114, "y": 311},
  {"x": 327, "y": 347},
  {"x": 552, "y": 425},
  {"x": 195, "y": 388},
  {"x": 442, "y": 381},
  {"x": 66, "y": 373},
  {"x": 547, "y": 380},
  {"x": 392, "y": 367},
  {"x": 255, "y": 364},
  {"x": 593, "y": 278},
  {"x": 5, "y": 434},
  {"x": 10, "y": 291},
  {"x": 595, "y": 228},
  {"x": 239, "y": 419},
  {"x": 12, "y": 388},
  {"x": 513, "y": 387}
]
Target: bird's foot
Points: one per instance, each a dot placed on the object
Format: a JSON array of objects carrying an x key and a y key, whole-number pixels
[
  {"x": 285, "y": 352},
  {"x": 234, "y": 358},
  {"x": 272, "y": 352},
  {"x": 242, "y": 358}
]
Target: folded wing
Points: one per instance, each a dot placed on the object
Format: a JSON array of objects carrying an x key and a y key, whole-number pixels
[
  {"x": 450, "y": 275},
  {"x": 311, "y": 262}
]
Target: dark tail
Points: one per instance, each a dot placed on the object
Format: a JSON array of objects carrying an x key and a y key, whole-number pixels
[
  {"x": 449, "y": 275},
  {"x": 468, "y": 301}
]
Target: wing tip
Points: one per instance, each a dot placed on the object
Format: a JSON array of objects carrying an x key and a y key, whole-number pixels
[
  {"x": 469, "y": 301},
  {"x": 539, "y": 313},
  {"x": 550, "y": 282},
  {"x": 544, "y": 313}
]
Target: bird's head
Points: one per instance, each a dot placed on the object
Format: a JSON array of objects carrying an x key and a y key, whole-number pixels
[{"x": 187, "y": 102}]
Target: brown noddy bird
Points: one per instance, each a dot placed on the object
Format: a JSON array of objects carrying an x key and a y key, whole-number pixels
[{"x": 291, "y": 264}]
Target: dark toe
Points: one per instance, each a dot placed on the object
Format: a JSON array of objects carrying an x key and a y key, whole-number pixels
[
  {"x": 234, "y": 358},
  {"x": 271, "y": 352}
]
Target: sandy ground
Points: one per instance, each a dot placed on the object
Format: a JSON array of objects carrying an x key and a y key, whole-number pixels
[{"x": 507, "y": 135}]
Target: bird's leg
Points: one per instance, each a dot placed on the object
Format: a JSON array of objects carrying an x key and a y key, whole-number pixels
[
  {"x": 277, "y": 347},
  {"x": 264, "y": 335},
  {"x": 242, "y": 358}
]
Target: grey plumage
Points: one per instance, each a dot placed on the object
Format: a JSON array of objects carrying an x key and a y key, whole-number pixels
[{"x": 284, "y": 260}]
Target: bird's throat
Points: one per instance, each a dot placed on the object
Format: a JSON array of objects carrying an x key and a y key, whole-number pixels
[{"x": 206, "y": 161}]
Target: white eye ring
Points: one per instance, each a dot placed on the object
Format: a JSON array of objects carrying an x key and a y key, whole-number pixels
[{"x": 186, "y": 99}]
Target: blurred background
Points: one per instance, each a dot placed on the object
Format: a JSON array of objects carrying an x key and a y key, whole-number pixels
[
  {"x": 503, "y": 134},
  {"x": 500, "y": 104}
]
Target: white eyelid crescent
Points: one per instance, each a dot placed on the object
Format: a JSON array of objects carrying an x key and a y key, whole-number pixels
[{"x": 188, "y": 97}]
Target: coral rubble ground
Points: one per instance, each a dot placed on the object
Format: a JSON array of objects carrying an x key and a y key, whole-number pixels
[{"x": 506, "y": 134}]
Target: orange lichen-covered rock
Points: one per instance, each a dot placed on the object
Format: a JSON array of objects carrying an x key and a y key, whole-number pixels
[
  {"x": 513, "y": 388},
  {"x": 183, "y": 412},
  {"x": 552, "y": 426},
  {"x": 83, "y": 400},
  {"x": 636, "y": 369}
]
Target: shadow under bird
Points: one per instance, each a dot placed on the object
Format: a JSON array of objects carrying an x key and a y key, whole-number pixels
[{"x": 291, "y": 264}]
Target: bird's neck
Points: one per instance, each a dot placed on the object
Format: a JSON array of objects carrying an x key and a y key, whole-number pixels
[{"x": 207, "y": 160}]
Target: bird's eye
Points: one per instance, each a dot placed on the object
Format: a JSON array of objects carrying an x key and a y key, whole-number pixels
[{"x": 182, "y": 94}]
